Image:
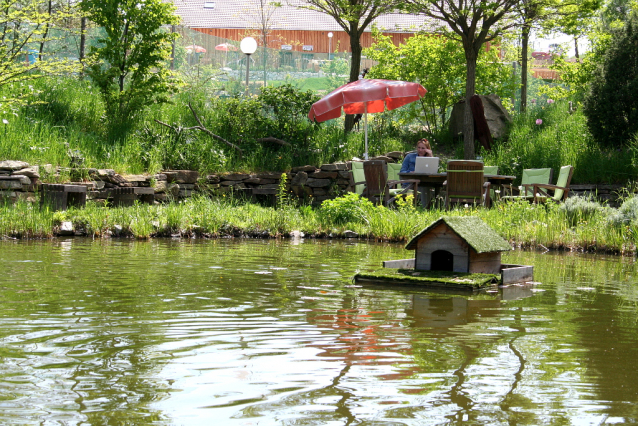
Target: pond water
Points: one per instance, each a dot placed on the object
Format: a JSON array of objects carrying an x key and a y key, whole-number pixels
[{"x": 256, "y": 332}]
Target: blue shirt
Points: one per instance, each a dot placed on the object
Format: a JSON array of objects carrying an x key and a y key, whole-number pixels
[{"x": 408, "y": 163}]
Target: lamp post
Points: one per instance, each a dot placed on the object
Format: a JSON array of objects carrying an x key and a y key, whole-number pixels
[
  {"x": 248, "y": 46},
  {"x": 330, "y": 45}
]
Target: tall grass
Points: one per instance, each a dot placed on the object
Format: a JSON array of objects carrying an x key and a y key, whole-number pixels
[
  {"x": 66, "y": 120},
  {"x": 537, "y": 226},
  {"x": 561, "y": 139}
]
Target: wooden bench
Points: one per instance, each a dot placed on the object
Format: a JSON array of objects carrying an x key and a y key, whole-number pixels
[{"x": 61, "y": 197}]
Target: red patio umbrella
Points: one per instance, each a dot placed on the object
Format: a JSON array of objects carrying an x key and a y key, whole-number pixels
[
  {"x": 364, "y": 96},
  {"x": 195, "y": 48},
  {"x": 225, "y": 47}
]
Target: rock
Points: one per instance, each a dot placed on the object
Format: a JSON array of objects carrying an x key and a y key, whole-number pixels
[
  {"x": 318, "y": 183},
  {"x": 32, "y": 172},
  {"x": 259, "y": 181},
  {"x": 11, "y": 182},
  {"x": 307, "y": 169},
  {"x": 384, "y": 158},
  {"x": 13, "y": 165},
  {"x": 236, "y": 176},
  {"x": 397, "y": 155},
  {"x": 496, "y": 116},
  {"x": 181, "y": 176},
  {"x": 296, "y": 235},
  {"x": 213, "y": 179},
  {"x": 299, "y": 179},
  {"x": 329, "y": 167},
  {"x": 324, "y": 175},
  {"x": 136, "y": 178},
  {"x": 268, "y": 175},
  {"x": 66, "y": 228}
]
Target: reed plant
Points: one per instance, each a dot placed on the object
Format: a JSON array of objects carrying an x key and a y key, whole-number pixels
[{"x": 544, "y": 227}]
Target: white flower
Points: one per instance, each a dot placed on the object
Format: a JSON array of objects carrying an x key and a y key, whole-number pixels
[
  {"x": 5, "y": 121},
  {"x": 467, "y": 205}
]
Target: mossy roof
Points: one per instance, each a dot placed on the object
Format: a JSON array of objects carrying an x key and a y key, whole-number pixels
[{"x": 476, "y": 233}]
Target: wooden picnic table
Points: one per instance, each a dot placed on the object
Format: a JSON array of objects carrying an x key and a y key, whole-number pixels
[{"x": 435, "y": 181}]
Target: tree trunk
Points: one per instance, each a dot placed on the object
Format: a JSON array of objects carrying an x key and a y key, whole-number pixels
[
  {"x": 355, "y": 65},
  {"x": 524, "y": 55},
  {"x": 82, "y": 38},
  {"x": 46, "y": 30},
  {"x": 173, "y": 49},
  {"x": 576, "y": 54},
  {"x": 468, "y": 120}
]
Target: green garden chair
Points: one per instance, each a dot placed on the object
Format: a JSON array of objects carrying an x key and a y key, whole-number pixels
[
  {"x": 560, "y": 190},
  {"x": 525, "y": 191},
  {"x": 491, "y": 170},
  {"x": 357, "y": 177},
  {"x": 393, "y": 171}
]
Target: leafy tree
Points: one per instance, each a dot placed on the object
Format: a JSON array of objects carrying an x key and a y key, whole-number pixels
[
  {"x": 568, "y": 16},
  {"x": 473, "y": 23},
  {"x": 438, "y": 63},
  {"x": 354, "y": 16},
  {"x": 129, "y": 67},
  {"x": 23, "y": 27},
  {"x": 611, "y": 106}
]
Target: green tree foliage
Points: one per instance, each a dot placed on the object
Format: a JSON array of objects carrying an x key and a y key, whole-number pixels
[
  {"x": 285, "y": 111},
  {"x": 129, "y": 65},
  {"x": 438, "y": 63},
  {"x": 23, "y": 28},
  {"x": 354, "y": 16},
  {"x": 611, "y": 105},
  {"x": 474, "y": 23}
]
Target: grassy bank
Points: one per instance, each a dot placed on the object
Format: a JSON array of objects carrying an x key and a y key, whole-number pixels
[
  {"x": 579, "y": 225},
  {"x": 65, "y": 122}
]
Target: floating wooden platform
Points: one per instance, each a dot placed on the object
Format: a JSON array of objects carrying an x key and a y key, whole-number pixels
[{"x": 429, "y": 279}]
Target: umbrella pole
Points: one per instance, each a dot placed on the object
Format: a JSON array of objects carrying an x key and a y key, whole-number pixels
[{"x": 365, "y": 121}]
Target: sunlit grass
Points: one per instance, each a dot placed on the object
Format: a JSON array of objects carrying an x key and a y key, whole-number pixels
[{"x": 522, "y": 224}]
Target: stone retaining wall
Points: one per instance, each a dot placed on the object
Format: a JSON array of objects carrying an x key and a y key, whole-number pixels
[{"x": 20, "y": 180}]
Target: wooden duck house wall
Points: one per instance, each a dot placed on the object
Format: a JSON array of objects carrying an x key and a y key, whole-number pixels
[
  {"x": 442, "y": 239},
  {"x": 442, "y": 249},
  {"x": 485, "y": 263}
]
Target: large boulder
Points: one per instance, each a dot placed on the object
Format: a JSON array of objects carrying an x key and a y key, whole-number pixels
[{"x": 496, "y": 115}]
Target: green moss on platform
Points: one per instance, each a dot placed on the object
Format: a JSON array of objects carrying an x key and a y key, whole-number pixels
[{"x": 435, "y": 279}]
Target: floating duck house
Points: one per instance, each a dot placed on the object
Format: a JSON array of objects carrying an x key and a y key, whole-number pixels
[{"x": 458, "y": 244}]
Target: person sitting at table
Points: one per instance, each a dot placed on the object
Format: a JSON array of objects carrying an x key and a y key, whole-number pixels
[{"x": 423, "y": 149}]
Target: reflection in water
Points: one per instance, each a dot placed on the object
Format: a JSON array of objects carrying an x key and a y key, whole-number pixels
[{"x": 274, "y": 332}]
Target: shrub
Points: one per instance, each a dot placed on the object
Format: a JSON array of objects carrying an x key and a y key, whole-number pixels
[
  {"x": 579, "y": 208},
  {"x": 350, "y": 207},
  {"x": 611, "y": 106},
  {"x": 626, "y": 214}
]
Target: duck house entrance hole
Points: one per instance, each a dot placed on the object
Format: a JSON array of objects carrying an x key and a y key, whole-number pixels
[{"x": 442, "y": 260}]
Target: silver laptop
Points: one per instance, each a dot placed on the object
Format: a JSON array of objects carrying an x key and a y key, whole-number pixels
[{"x": 426, "y": 165}]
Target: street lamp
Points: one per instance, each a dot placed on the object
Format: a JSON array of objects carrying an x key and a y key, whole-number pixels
[
  {"x": 248, "y": 46},
  {"x": 329, "y": 45}
]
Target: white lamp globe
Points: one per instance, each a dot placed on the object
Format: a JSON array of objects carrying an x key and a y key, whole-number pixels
[
  {"x": 248, "y": 45},
  {"x": 329, "y": 35}
]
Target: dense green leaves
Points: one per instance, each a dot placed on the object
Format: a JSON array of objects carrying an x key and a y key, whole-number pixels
[
  {"x": 611, "y": 106},
  {"x": 23, "y": 27},
  {"x": 438, "y": 63},
  {"x": 129, "y": 66}
]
